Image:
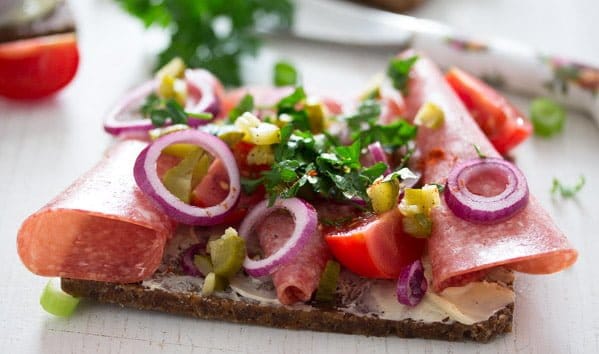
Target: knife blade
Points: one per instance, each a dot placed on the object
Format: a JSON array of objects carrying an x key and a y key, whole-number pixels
[{"x": 506, "y": 64}]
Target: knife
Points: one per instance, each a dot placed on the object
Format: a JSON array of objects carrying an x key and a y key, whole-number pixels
[{"x": 505, "y": 64}]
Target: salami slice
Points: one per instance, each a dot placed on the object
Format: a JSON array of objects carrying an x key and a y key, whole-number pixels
[
  {"x": 298, "y": 279},
  {"x": 529, "y": 242},
  {"x": 101, "y": 228}
]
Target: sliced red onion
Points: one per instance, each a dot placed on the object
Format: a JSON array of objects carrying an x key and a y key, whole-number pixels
[
  {"x": 411, "y": 285},
  {"x": 378, "y": 154},
  {"x": 199, "y": 83},
  {"x": 305, "y": 220},
  {"x": 472, "y": 190},
  {"x": 187, "y": 259},
  {"x": 149, "y": 182}
]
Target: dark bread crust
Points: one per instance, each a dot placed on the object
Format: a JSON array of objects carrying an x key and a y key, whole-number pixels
[
  {"x": 59, "y": 20},
  {"x": 318, "y": 319}
]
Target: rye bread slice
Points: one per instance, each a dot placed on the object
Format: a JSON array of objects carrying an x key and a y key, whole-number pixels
[
  {"x": 59, "y": 20},
  {"x": 313, "y": 318}
]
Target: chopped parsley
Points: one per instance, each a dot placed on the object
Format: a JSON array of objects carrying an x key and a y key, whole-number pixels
[
  {"x": 399, "y": 72},
  {"x": 285, "y": 74},
  {"x": 245, "y": 105},
  {"x": 161, "y": 110},
  {"x": 308, "y": 164},
  {"x": 567, "y": 191}
]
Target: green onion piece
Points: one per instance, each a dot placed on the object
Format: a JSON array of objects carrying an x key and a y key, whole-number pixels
[
  {"x": 328, "y": 282},
  {"x": 227, "y": 253},
  {"x": 547, "y": 117},
  {"x": 383, "y": 195},
  {"x": 56, "y": 301},
  {"x": 213, "y": 283},
  {"x": 419, "y": 225},
  {"x": 285, "y": 74},
  {"x": 178, "y": 180},
  {"x": 203, "y": 263}
]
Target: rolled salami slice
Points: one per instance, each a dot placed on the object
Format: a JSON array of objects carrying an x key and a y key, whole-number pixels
[
  {"x": 297, "y": 280},
  {"x": 529, "y": 242},
  {"x": 101, "y": 228}
]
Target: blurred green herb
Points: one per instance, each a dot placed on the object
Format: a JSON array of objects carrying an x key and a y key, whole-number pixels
[
  {"x": 567, "y": 191},
  {"x": 399, "y": 72},
  {"x": 285, "y": 74},
  {"x": 160, "y": 110},
  {"x": 212, "y": 34}
]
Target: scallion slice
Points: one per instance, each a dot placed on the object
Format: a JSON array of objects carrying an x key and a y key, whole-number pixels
[
  {"x": 547, "y": 117},
  {"x": 56, "y": 301}
]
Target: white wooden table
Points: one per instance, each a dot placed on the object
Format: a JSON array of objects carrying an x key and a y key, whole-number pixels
[{"x": 46, "y": 145}]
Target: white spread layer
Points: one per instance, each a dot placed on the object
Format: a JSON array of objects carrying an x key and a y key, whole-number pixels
[{"x": 468, "y": 304}]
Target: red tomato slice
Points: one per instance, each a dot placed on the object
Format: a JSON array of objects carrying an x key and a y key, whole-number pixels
[
  {"x": 377, "y": 247},
  {"x": 503, "y": 124},
  {"x": 37, "y": 67}
]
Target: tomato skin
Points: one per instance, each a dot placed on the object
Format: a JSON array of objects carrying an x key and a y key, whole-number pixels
[
  {"x": 37, "y": 67},
  {"x": 376, "y": 248},
  {"x": 504, "y": 124}
]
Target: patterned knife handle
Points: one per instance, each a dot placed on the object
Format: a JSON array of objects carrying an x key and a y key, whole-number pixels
[{"x": 515, "y": 67}]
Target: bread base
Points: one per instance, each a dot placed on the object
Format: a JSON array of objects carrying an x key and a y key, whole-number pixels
[{"x": 315, "y": 319}]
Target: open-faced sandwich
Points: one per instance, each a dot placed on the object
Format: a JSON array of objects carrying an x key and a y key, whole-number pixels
[{"x": 393, "y": 214}]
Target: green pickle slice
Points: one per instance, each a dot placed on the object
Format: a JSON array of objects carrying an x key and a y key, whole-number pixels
[
  {"x": 178, "y": 179},
  {"x": 213, "y": 283},
  {"x": 419, "y": 225},
  {"x": 203, "y": 263},
  {"x": 227, "y": 253},
  {"x": 383, "y": 195},
  {"x": 328, "y": 282}
]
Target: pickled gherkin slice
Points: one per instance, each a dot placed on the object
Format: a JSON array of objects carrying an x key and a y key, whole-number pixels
[
  {"x": 203, "y": 263},
  {"x": 383, "y": 195},
  {"x": 227, "y": 253},
  {"x": 328, "y": 282},
  {"x": 419, "y": 225},
  {"x": 178, "y": 180},
  {"x": 213, "y": 283}
]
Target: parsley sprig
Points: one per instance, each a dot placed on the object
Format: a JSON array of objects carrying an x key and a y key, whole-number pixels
[
  {"x": 214, "y": 35},
  {"x": 399, "y": 72}
]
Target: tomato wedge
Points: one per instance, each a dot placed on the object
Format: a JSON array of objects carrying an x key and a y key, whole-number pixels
[
  {"x": 504, "y": 124},
  {"x": 37, "y": 67},
  {"x": 376, "y": 247}
]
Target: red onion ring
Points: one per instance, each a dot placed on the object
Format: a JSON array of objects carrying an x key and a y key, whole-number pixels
[
  {"x": 378, "y": 154},
  {"x": 482, "y": 209},
  {"x": 411, "y": 285},
  {"x": 306, "y": 221},
  {"x": 149, "y": 182},
  {"x": 198, "y": 83}
]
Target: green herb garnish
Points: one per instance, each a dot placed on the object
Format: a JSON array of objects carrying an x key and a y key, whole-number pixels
[
  {"x": 567, "y": 191},
  {"x": 160, "y": 110},
  {"x": 364, "y": 126},
  {"x": 245, "y": 105},
  {"x": 214, "y": 35},
  {"x": 310, "y": 164},
  {"x": 399, "y": 72},
  {"x": 285, "y": 74},
  {"x": 547, "y": 117}
]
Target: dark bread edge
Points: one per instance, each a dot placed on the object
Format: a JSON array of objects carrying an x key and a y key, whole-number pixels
[
  {"x": 59, "y": 20},
  {"x": 392, "y": 5},
  {"x": 324, "y": 320}
]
